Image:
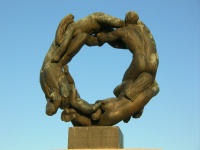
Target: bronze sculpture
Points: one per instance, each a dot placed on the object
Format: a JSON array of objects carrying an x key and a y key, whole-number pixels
[
  {"x": 138, "y": 84},
  {"x": 56, "y": 81}
]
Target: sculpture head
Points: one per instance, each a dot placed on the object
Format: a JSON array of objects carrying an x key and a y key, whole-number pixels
[{"x": 131, "y": 17}]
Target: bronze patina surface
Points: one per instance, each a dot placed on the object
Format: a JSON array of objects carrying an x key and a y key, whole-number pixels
[{"x": 138, "y": 84}]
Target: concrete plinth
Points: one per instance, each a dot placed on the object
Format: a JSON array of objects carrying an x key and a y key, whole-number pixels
[{"x": 98, "y": 137}]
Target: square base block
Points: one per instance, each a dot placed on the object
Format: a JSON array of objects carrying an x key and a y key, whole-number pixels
[{"x": 95, "y": 137}]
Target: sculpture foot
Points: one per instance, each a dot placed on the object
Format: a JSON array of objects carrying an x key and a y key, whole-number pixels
[
  {"x": 127, "y": 120},
  {"x": 50, "y": 109},
  {"x": 138, "y": 114},
  {"x": 68, "y": 117}
]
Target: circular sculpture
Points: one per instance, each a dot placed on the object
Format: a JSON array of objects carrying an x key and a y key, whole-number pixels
[{"x": 138, "y": 84}]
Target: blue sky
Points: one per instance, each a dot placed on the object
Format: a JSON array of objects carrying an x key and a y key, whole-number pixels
[{"x": 170, "y": 121}]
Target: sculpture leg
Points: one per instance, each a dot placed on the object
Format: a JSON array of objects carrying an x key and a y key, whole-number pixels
[
  {"x": 56, "y": 80},
  {"x": 82, "y": 121},
  {"x": 128, "y": 108},
  {"x": 134, "y": 88},
  {"x": 64, "y": 87},
  {"x": 62, "y": 28},
  {"x": 118, "y": 89},
  {"x": 64, "y": 45},
  {"x": 77, "y": 42},
  {"x": 43, "y": 84},
  {"x": 52, "y": 107},
  {"x": 69, "y": 114},
  {"x": 155, "y": 90},
  {"x": 82, "y": 105}
]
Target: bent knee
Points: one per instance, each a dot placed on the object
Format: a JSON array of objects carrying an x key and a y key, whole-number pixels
[
  {"x": 155, "y": 88},
  {"x": 147, "y": 77}
]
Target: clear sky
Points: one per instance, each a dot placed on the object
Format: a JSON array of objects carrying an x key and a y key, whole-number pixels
[{"x": 170, "y": 121}]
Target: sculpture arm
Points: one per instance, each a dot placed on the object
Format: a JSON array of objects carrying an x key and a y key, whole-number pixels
[
  {"x": 113, "y": 38},
  {"x": 93, "y": 41},
  {"x": 68, "y": 75},
  {"x": 118, "y": 44},
  {"x": 62, "y": 27}
]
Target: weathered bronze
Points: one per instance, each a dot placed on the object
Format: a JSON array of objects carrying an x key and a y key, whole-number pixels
[{"x": 138, "y": 84}]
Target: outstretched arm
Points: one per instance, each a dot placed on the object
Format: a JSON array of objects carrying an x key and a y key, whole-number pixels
[
  {"x": 113, "y": 38},
  {"x": 117, "y": 44},
  {"x": 62, "y": 27},
  {"x": 93, "y": 41}
]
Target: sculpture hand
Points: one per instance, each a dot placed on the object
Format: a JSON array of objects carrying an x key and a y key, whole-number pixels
[
  {"x": 68, "y": 114},
  {"x": 73, "y": 96},
  {"x": 100, "y": 37},
  {"x": 100, "y": 43}
]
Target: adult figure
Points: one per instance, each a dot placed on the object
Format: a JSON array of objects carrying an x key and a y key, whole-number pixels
[
  {"x": 138, "y": 84},
  {"x": 81, "y": 32},
  {"x": 139, "y": 40},
  {"x": 56, "y": 81},
  {"x": 70, "y": 37}
]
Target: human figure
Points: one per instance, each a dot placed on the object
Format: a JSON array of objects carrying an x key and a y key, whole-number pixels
[
  {"x": 80, "y": 32},
  {"x": 56, "y": 81},
  {"x": 138, "y": 84},
  {"x": 142, "y": 70},
  {"x": 113, "y": 110}
]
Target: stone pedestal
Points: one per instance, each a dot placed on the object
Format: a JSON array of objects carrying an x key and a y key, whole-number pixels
[{"x": 98, "y": 137}]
